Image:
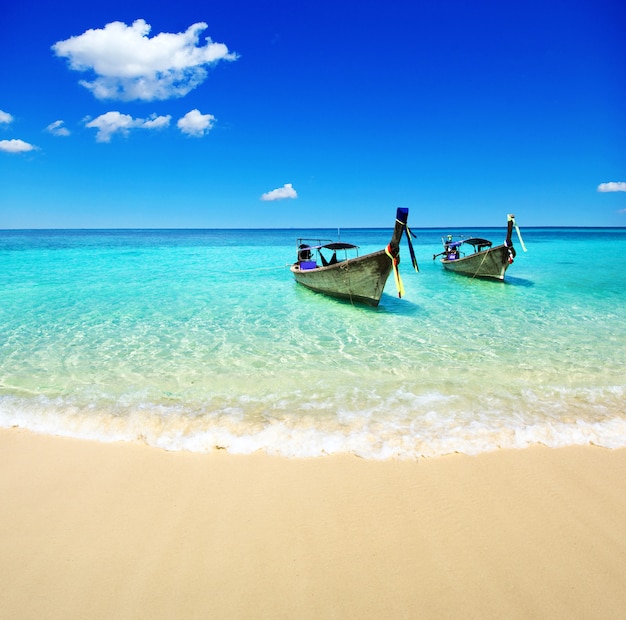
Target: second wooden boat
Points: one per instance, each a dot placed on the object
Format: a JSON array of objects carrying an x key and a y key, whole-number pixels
[{"x": 475, "y": 257}]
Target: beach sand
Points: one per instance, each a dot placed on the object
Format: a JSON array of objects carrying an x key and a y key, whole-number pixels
[{"x": 90, "y": 530}]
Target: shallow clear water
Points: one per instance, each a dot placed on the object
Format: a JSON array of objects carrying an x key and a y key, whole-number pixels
[{"x": 197, "y": 340}]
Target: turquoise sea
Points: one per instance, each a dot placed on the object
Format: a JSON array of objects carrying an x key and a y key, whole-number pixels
[{"x": 201, "y": 340}]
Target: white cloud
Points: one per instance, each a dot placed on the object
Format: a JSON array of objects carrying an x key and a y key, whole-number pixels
[
  {"x": 157, "y": 122},
  {"x": 196, "y": 124},
  {"x": 613, "y": 186},
  {"x": 286, "y": 191},
  {"x": 5, "y": 117},
  {"x": 131, "y": 65},
  {"x": 16, "y": 146},
  {"x": 115, "y": 122},
  {"x": 57, "y": 129},
  {"x": 109, "y": 123}
]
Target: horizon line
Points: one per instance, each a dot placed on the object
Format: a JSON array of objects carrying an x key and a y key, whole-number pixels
[{"x": 199, "y": 229}]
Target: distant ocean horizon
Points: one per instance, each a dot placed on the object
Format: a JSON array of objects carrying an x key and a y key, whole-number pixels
[
  {"x": 193, "y": 229},
  {"x": 200, "y": 339}
]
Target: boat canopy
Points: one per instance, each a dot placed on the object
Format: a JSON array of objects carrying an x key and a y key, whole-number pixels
[
  {"x": 478, "y": 242},
  {"x": 339, "y": 245},
  {"x": 334, "y": 246}
]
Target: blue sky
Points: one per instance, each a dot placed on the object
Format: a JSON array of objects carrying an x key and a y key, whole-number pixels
[{"x": 298, "y": 114}]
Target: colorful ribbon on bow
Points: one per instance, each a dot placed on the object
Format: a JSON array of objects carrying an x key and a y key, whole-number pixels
[{"x": 395, "y": 262}]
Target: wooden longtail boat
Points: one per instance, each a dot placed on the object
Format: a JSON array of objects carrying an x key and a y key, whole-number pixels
[
  {"x": 484, "y": 261},
  {"x": 336, "y": 269}
]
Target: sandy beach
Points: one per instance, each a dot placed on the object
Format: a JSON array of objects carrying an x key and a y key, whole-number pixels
[{"x": 90, "y": 530}]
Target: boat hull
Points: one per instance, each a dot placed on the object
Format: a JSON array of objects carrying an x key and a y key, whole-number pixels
[
  {"x": 491, "y": 264},
  {"x": 360, "y": 279}
]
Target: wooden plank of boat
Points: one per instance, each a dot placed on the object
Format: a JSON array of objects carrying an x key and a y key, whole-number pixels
[
  {"x": 360, "y": 279},
  {"x": 491, "y": 263}
]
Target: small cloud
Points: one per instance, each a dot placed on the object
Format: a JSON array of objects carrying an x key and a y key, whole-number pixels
[
  {"x": 613, "y": 186},
  {"x": 130, "y": 65},
  {"x": 196, "y": 124},
  {"x": 111, "y": 123},
  {"x": 157, "y": 122},
  {"x": 16, "y": 146},
  {"x": 286, "y": 191},
  {"x": 5, "y": 117},
  {"x": 57, "y": 129}
]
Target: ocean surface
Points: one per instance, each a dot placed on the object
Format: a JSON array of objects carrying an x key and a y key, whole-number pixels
[{"x": 201, "y": 340}]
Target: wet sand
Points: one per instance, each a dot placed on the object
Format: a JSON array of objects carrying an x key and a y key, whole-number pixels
[{"x": 91, "y": 530}]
